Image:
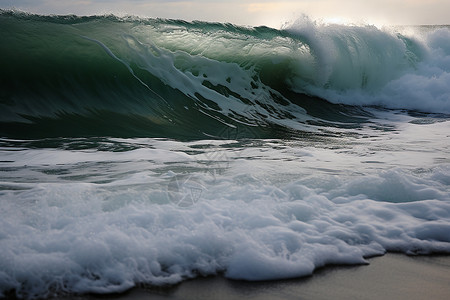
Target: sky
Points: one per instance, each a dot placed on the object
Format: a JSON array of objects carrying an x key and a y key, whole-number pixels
[{"x": 252, "y": 12}]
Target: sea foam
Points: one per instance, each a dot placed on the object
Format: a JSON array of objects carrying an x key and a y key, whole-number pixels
[
  {"x": 86, "y": 244},
  {"x": 101, "y": 222}
]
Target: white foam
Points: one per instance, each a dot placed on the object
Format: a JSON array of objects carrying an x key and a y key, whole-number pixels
[
  {"x": 67, "y": 231},
  {"x": 279, "y": 209}
]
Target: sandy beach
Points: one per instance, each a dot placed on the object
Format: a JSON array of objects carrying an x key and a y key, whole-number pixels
[{"x": 393, "y": 276}]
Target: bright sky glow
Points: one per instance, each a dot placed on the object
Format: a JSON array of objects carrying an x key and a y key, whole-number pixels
[{"x": 251, "y": 12}]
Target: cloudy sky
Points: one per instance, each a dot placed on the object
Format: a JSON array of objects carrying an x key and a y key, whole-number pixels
[{"x": 252, "y": 12}]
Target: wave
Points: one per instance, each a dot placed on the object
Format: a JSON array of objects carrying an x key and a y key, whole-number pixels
[{"x": 105, "y": 75}]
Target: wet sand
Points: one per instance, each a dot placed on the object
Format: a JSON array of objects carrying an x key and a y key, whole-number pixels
[{"x": 393, "y": 276}]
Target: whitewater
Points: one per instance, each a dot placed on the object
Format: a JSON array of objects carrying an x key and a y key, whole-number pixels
[{"x": 144, "y": 152}]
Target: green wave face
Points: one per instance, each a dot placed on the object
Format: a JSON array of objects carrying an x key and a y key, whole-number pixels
[{"x": 103, "y": 75}]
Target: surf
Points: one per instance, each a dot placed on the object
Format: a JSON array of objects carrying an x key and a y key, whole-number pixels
[
  {"x": 129, "y": 76},
  {"x": 144, "y": 152}
]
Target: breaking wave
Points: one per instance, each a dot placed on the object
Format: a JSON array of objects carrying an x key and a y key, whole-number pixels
[{"x": 104, "y": 75}]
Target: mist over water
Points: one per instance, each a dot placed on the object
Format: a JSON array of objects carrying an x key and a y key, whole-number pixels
[{"x": 146, "y": 152}]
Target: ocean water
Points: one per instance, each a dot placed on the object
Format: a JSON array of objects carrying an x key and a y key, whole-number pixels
[{"x": 146, "y": 152}]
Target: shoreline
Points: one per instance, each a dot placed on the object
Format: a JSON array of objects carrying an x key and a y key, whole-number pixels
[{"x": 392, "y": 276}]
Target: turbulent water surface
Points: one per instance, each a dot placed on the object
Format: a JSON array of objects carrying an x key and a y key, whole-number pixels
[{"x": 145, "y": 151}]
